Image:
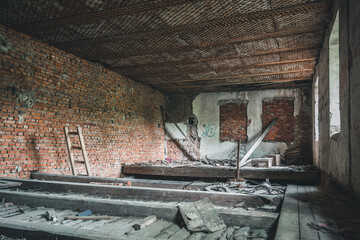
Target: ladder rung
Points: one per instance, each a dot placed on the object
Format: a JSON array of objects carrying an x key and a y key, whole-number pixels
[
  {"x": 73, "y": 133},
  {"x": 78, "y": 148},
  {"x": 76, "y": 161}
]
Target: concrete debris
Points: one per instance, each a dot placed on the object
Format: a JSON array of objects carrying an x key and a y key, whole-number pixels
[
  {"x": 9, "y": 204},
  {"x": 241, "y": 233},
  {"x": 3, "y": 237},
  {"x": 259, "y": 233},
  {"x": 240, "y": 187},
  {"x": 145, "y": 222},
  {"x": 85, "y": 213},
  {"x": 324, "y": 227},
  {"x": 50, "y": 216},
  {"x": 201, "y": 216}
]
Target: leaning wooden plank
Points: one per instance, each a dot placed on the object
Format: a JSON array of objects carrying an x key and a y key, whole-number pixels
[
  {"x": 288, "y": 226},
  {"x": 257, "y": 142},
  {"x": 145, "y": 222}
]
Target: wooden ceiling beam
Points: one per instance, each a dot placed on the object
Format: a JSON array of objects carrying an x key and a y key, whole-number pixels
[
  {"x": 235, "y": 76},
  {"x": 101, "y": 15},
  {"x": 191, "y": 27},
  {"x": 206, "y": 45},
  {"x": 243, "y": 87},
  {"x": 220, "y": 58},
  {"x": 238, "y": 83},
  {"x": 224, "y": 68}
]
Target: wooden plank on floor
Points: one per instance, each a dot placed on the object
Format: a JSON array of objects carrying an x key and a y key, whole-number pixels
[
  {"x": 305, "y": 216},
  {"x": 110, "y": 226},
  {"x": 196, "y": 236},
  {"x": 168, "y": 232},
  {"x": 180, "y": 235},
  {"x": 319, "y": 215},
  {"x": 288, "y": 226},
  {"x": 96, "y": 224},
  {"x": 276, "y": 173},
  {"x": 152, "y": 230}
]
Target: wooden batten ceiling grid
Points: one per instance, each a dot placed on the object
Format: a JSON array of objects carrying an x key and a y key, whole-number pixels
[{"x": 185, "y": 45}]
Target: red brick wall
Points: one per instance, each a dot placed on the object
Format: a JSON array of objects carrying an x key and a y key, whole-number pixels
[
  {"x": 233, "y": 121},
  {"x": 43, "y": 89},
  {"x": 283, "y": 110}
]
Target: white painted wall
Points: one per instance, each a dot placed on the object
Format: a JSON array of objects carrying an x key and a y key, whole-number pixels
[{"x": 206, "y": 109}]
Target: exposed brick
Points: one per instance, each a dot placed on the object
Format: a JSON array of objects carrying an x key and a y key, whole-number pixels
[
  {"x": 233, "y": 121},
  {"x": 283, "y": 110},
  {"x": 121, "y": 119}
]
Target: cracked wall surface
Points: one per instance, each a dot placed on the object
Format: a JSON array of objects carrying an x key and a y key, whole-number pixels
[{"x": 338, "y": 155}]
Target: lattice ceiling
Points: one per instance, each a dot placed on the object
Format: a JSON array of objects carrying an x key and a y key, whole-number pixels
[{"x": 184, "y": 45}]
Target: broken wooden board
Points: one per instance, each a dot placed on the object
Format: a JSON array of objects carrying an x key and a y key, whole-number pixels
[
  {"x": 210, "y": 172},
  {"x": 201, "y": 216}
]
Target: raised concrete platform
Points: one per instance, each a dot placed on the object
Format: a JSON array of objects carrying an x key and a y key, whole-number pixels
[
  {"x": 167, "y": 211},
  {"x": 142, "y": 193}
]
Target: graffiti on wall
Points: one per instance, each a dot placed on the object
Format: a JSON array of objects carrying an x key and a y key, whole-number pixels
[{"x": 209, "y": 130}]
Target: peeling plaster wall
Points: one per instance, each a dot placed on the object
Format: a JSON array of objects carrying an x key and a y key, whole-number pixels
[
  {"x": 338, "y": 156},
  {"x": 354, "y": 74},
  {"x": 206, "y": 109}
]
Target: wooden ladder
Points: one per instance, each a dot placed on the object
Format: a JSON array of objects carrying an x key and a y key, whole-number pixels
[{"x": 82, "y": 148}]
